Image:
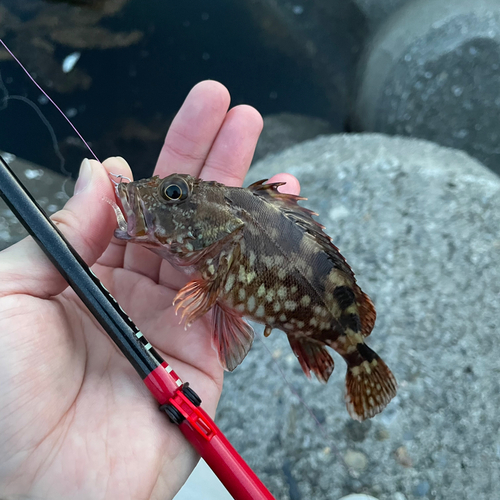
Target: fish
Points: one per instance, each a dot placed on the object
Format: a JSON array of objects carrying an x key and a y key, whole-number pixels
[{"x": 256, "y": 253}]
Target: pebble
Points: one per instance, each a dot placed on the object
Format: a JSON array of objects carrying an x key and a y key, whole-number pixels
[
  {"x": 358, "y": 496},
  {"x": 422, "y": 488},
  {"x": 356, "y": 460},
  {"x": 403, "y": 457}
]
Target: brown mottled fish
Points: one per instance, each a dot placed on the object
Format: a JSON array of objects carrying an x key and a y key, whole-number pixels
[{"x": 254, "y": 252}]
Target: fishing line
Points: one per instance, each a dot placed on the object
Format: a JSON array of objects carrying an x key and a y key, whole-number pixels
[
  {"x": 306, "y": 406},
  {"x": 50, "y": 99},
  {"x": 58, "y": 153},
  {"x": 177, "y": 399}
]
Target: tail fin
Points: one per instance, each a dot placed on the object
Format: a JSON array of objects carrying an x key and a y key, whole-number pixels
[{"x": 370, "y": 385}]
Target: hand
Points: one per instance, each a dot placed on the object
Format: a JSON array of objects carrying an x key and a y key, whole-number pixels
[{"x": 76, "y": 420}]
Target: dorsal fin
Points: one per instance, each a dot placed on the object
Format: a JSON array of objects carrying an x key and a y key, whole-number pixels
[
  {"x": 288, "y": 203},
  {"x": 366, "y": 310}
]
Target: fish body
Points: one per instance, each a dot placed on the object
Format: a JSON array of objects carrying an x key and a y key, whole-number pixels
[{"x": 256, "y": 253}]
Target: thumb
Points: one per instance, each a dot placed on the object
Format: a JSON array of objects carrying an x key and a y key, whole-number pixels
[{"x": 87, "y": 221}]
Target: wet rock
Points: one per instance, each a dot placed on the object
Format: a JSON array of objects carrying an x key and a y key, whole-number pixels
[
  {"x": 419, "y": 225},
  {"x": 51, "y": 191},
  {"x": 432, "y": 72},
  {"x": 286, "y": 129},
  {"x": 50, "y": 27}
]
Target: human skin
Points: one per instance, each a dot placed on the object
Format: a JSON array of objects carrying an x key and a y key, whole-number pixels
[{"x": 76, "y": 421}]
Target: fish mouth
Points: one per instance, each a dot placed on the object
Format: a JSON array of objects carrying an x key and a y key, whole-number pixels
[{"x": 135, "y": 222}]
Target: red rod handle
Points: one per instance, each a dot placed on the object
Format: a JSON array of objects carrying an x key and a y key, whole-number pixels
[
  {"x": 235, "y": 474},
  {"x": 208, "y": 440}
]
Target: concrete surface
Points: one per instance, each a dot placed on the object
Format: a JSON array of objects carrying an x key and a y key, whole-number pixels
[
  {"x": 203, "y": 484},
  {"x": 419, "y": 224},
  {"x": 50, "y": 189}
]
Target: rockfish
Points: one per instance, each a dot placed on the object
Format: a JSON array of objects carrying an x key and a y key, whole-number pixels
[{"x": 256, "y": 253}]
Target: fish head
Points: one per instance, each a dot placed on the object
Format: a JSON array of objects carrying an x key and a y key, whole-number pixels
[{"x": 179, "y": 214}]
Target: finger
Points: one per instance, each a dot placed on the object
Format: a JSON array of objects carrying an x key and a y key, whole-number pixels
[
  {"x": 193, "y": 130},
  {"x": 233, "y": 149},
  {"x": 291, "y": 185},
  {"x": 87, "y": 221},
  {"x": 227, "y": 162},
  {"x": 142, "y": 260}
]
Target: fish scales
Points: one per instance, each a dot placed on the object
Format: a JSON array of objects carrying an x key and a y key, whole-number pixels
[
  {"x": 292, "y": 271},
  {"x": 256, "y": 253}
]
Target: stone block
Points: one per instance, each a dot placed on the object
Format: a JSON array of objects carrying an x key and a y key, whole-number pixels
[{"x": 433, "y": 72}]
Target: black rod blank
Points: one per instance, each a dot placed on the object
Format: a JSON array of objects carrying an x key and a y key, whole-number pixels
[{"x": 75, "y": 271}]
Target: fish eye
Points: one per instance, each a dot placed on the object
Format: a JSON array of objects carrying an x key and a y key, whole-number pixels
[{"x": 174, "y": 189}]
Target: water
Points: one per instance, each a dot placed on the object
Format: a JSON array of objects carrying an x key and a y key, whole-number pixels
[{"x": 134, "y": 91}]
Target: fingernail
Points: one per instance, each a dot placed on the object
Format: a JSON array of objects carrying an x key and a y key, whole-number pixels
[{"x": 84, "y": 176}]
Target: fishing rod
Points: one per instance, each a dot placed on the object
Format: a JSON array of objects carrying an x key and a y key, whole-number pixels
[{"x": 179, "y": 401}]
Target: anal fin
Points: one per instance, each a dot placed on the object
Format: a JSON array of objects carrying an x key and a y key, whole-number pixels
[
  {"x": 313, "y": 357},
  {"x": 232, "y": 337}
]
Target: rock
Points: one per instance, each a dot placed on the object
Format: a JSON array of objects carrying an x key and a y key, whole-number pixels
[
  {"x": 419, "y": 224},
  {"x": 51, "y": 191},
  {"x": 432, "y": 72},
  {"x": 422, "y": 488},
  {"x": 286, "y": 129},
  {"x": 398, "y": 496}
]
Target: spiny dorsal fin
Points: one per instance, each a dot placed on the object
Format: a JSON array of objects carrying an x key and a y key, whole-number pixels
[
  {"x": 366, "y": 310},
  {"x": 288, "y": 203}
]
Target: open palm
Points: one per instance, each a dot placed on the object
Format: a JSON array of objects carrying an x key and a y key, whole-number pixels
[{"x": 75, "y": 419}]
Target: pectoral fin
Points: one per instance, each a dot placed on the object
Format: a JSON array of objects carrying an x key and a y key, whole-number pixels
[
  {"x": 232, "y": 337},
  {"x": 198, "y": 296},
  {"x": 195, "y": 299}
]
